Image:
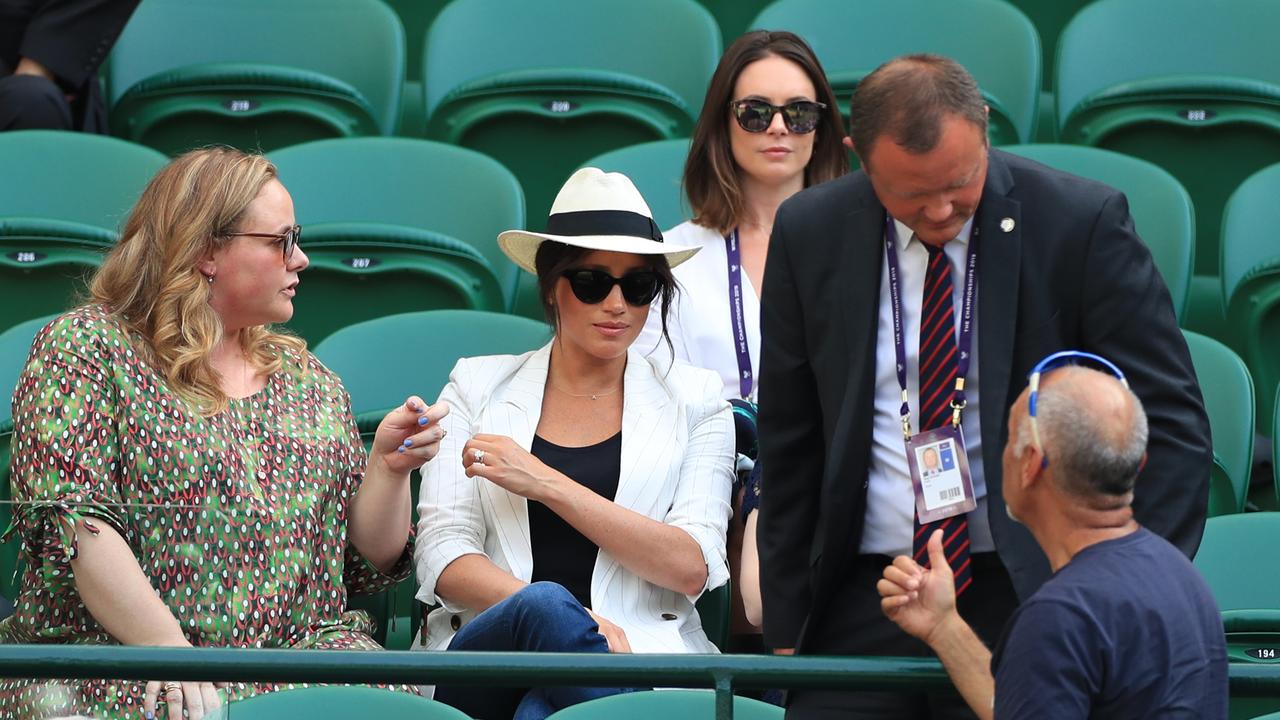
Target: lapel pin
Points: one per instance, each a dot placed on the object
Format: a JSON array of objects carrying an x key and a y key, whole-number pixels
[{"x": 1007, "y": 224}]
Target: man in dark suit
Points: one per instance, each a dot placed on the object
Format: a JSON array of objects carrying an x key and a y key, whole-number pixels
[
  {"x": 1059, "y": 266},
  {"x": 50, "y": 52}
]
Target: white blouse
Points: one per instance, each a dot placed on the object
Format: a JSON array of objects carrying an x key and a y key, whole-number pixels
[{"x": 699, "y": 322}]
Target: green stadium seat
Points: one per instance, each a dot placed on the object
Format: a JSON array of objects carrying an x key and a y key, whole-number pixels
[
  {"x": 334, "y": 702},
  {"x": 1275, "y": 443},
  {"x": 1161, "y": 207},
  {"x": 991, "y": 38},
  {"x": 15, "y": 346},
  {"x": 62, "y": 197},
  {"x": 657, "y": 169},
  {"x": 10, "y": 562},
  {"x": 734, "y": 16},
  {"x": 255, "y": 74},
  {"x": 543, "y": 86},
  {"x": 1192, "y": 86},
  {"x": 419, "y": 185},
  {"x": 360, "y": 271},
  {"x": 383, "y": 361},
  {"x": 715, "y": 609},
  {"x": 1251, "y": 281},
  {"x": 1049, "y": 17},
  {"x": 1233, "y": 557},
  {"x": 672, "y": 704},
  {"x": 1228, "y": 399}
]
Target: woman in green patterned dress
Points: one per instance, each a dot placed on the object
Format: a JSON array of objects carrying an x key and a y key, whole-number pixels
[{"x": 186, "y": 476}]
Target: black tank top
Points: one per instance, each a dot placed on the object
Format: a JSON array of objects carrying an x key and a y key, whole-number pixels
[{"x": 560, "y": 553}]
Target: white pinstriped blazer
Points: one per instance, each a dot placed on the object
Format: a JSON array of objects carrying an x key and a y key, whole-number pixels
[{"x": 677, "y": 465}]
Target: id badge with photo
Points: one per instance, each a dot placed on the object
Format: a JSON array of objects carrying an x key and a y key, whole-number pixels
[{"x": 940, "y": 474}]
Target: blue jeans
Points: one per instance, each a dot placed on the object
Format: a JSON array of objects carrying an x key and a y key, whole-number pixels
[{"x": 542, "y": 617}]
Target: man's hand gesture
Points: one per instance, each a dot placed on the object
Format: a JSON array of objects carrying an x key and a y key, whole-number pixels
[{"x": 919, "y": 600}]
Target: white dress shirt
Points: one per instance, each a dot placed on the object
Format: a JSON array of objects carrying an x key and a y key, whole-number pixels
[
  {"x": 890, "y": 516},
  {"x": 699, "y": 323}
]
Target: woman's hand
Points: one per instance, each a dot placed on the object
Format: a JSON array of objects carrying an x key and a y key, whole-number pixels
[
  {"x": 197, "y": 698},
  {"x": 409, "y": 435},
  {"x": 498, "y": 459},
  {"x": 614, "y": 635}
]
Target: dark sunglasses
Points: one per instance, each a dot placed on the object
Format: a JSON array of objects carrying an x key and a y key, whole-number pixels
[
  {"x": 288, "y": 239},
  {"x": 593, "y": 286},
  {"x": 755, "y": 116}
]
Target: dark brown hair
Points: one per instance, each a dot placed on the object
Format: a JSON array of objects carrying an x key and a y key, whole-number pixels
[
  {"x": 710, "y": 174},
  {"x": 553, "y": 258},
  {"x": 907, "y": 99}
]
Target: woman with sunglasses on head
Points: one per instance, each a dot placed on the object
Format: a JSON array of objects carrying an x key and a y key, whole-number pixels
[
  {"x": 184, "y": 474},
  {"x": 584, "y": 496},
  {"x": 769, "y": 128}
]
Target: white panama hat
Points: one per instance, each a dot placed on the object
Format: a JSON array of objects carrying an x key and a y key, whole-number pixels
[{"x": 599, "y": 211}]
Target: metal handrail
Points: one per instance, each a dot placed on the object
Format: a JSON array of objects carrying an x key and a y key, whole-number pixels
[{"x": 720, "y": 672}]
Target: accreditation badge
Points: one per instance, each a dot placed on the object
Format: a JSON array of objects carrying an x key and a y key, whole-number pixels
[{"x": 940, "y": 474}]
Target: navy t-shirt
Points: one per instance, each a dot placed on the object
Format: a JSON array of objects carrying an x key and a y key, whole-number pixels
[{"x": 1127, "y": 629}]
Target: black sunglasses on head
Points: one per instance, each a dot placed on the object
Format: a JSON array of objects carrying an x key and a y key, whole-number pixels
[
  {"x": 639, "y": 287},
  {"x": 755, "y": 116}
]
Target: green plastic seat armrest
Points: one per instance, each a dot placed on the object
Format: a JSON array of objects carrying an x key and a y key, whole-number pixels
[
  {"x": 385, "y": 236},
  {"x": 1174, "y": 88},
  {"x": 1251, "y": 621},
  {"x": 50, "y": 229},
  {"x": 578, "y": 80},
  {"x": 217, "y": 76}
]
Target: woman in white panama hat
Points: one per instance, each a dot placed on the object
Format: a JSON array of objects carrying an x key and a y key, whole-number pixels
[{"x": 585, "y": 506}]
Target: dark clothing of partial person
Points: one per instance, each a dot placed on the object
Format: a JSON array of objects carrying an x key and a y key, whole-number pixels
[
  {"x": 1127, "y": 629},
  {"x": 71, "y": 38},
  {"x": 561, "y": 554},
  {"x": 1060, "y": 267}
]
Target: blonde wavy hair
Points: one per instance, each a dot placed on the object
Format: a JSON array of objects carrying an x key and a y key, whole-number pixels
[{"x": 151, "y": 280}]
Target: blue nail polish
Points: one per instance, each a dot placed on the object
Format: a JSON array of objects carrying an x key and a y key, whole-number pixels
[
  {"x": 149, "y": 715},
  {"x": 400, "y": 449},
  {"x": 424, "y": 420},
  {"x": 408, "y": 442}
]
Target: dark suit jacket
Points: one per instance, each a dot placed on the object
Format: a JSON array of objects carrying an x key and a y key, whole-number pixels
[
  {"x": 70, "y": 37},
  {"x": 1071, "y": 274}
]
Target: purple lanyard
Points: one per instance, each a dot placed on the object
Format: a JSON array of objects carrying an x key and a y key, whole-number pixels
[
  {"x": 736, "y": 314},
  {"x": 965, "y": 340}
]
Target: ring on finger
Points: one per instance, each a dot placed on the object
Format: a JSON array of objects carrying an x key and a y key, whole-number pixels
[
  {"x": 478, "y": 455},
  {"x": 171, "y": 687}
]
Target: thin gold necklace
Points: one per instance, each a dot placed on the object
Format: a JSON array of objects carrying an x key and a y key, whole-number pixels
[{"x": 593, "y": 396}]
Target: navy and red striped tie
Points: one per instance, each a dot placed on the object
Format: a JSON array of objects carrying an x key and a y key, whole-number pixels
[{"x": 937, "y": 388}]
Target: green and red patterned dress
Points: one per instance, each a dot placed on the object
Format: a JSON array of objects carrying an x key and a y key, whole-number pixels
[{"x": 239, "y": 520}]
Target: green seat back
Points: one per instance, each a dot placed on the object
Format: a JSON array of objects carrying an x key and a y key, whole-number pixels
[
  {"x": 15, "y": 346},
  {"x": 1275, "y": 442},
  {"x": 672, "y": 704},
  {"x": 715, "y": 609},
  {"x": 1192, "y": 86},
  {"x": 426, "y": 347},
  {"x": 255, "y": 74},
  {"x": 657, "y": 169},
  {"x": 1049, "y": 17},
  {"x": 1240, "y": 578},
  {"x": 360, "y": 271},
  {"x": 1236, "y": 561},
  {"x": 10, "y": 562},
  {"x": 991, "y": 38},
  {"x": 1228, "y": 399},
  {"x": 62, "y": 197},
  {"x": 420, "y": 184},
  {"x": 1161, "y": 207},
  {"x": 334, "y": 702},
  {"x": 1251, "y": 281},
  {"x": 542, "y": 86},
  {"x": 734, "y": 16},
  {"x": 73, "y": 177}
]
